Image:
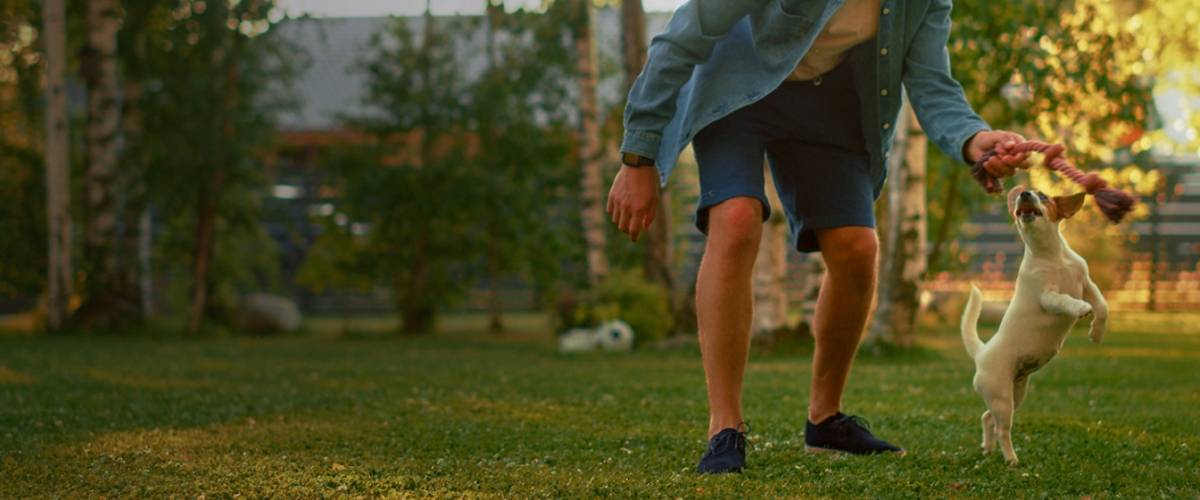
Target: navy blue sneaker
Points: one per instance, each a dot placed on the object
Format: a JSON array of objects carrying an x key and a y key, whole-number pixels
[
  {"x": 726, "y": 452},
  {"x": 846, "y": 434}
]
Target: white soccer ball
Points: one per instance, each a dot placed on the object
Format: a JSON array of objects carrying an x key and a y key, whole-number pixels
[{"x": 615, "y": 335}]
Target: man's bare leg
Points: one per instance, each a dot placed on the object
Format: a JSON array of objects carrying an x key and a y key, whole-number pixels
[
  {"x": 724, "y": 304},
  {"x": 841, "y": 313}
]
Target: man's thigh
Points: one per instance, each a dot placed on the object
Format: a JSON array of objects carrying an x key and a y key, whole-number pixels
[{"x": 822, "y": 187}]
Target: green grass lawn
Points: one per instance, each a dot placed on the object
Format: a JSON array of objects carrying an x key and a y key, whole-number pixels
[{"x": 468, "y": 414}]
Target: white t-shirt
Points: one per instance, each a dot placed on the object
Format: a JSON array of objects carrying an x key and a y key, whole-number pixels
[{"x": 855, "y": 22}]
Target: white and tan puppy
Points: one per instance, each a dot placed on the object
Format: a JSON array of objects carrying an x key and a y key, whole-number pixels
[{"x": 1053, "y": 292}]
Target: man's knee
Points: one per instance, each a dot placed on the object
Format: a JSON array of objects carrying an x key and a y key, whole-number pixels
[
  {"x": 736, "y": 224},
  {"x": 851, "y": 251}
]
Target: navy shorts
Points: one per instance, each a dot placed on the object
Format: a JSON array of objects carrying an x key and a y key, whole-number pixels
[{"x": 811, "y": 134}]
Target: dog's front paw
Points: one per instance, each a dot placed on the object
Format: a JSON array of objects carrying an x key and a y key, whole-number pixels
[{"x": 1082, "y": 309}]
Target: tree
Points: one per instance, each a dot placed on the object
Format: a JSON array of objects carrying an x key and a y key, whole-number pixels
[
  {"x": 518, "y": 109},
  {"x": 23, "y": 187},
  {"x": 590, "y": 145},
  {"x": 210, "y": 132},
  {"x": 110, "y": 297},
  {"x": 58, "y": 184},
  {"x": 904, "y": 249},
  {"x": 496, "y": 144},
  {"x": 657, "y": 257}
]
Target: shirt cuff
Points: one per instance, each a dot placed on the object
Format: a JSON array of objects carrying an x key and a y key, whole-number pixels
[
  {"x": 641, "y": 143},
  {"x": 961, "y": 142}
]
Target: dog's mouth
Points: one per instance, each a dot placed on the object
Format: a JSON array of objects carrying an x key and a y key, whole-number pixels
[{"x": 1027, "y": 212}]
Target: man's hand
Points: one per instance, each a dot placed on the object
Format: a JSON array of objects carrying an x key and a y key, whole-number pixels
[
  {"x": 633, "y": 199},
  {"x": 1004, "y": 164}
]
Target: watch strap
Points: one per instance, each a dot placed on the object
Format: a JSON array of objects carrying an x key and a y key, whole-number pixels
[{"x": 636, "y": 160}]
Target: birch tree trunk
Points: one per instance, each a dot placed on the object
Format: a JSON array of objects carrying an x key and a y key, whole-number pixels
[
  {"x": 108, "y": 299},
  {"x": 771, "y": 270},
  {"x": 590, "y": 154},
  {"x": 657, "y": 259},
  {"x": 58, "y": 180},
  {"x": 904, "y": 257}
]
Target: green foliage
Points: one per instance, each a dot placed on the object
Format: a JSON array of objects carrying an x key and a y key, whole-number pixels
[
  {"x": 334, "y": 263},
  {"x": 22, "y": 182},
  {"x": 200, "y": 139},
  {"x": 22, "y": 226},
  {"x": 519, "y": 110},
  {"x": 1032, "y": 67},
  {"x": 628, "y": 296},
  {"x": 414, "y": 231},
  {"x": 461, "y": 176}
]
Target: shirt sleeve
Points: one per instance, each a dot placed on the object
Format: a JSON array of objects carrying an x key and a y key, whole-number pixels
[
  {"x": 937, "y": 98},
  {"x": 687, "y": 41}
]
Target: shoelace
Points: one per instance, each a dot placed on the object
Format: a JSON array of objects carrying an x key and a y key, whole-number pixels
[
  {"x": 744, "y": 434},
  {"x": 740, "y": 444}
]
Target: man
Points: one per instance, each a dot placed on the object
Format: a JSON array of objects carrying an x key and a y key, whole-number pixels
[{"x": 815, "y": 86}]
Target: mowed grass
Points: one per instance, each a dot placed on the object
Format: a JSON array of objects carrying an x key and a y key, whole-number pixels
[{"x": 468, "y": 414}]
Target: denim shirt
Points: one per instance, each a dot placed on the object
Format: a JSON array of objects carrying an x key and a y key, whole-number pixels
[{"x": 717, "y": 56}]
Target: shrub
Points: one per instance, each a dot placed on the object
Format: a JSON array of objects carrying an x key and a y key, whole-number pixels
[{"x": 627, "y": 295}]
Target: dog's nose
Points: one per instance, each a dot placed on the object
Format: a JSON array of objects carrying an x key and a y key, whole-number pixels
[{"x": 1025, "y": 195}]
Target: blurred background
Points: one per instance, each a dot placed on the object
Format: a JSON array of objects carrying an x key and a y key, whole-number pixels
[{"x": 192, "y": 167}]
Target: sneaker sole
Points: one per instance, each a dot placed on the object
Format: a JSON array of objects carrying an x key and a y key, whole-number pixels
[{"x": 818, "y": 450}]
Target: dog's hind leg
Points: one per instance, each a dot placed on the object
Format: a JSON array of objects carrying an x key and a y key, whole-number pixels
[
  {"x": 1002, "y": 412},
  {"x": 989, "y": 432},
  {"x": 998, "y": 396}
]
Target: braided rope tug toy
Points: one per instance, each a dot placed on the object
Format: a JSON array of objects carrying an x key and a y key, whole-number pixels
[{"x": 1113, "y": 203}]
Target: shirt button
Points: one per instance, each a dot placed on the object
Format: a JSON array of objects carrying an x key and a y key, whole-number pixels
[
  {"x": 886, "y": 11},
  {"x": 886, "y": 125},
  {"x": 883, "y": 51},
  {"x": 883, "y": 92}
]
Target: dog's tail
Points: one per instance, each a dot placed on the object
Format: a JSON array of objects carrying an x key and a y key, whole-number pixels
[{"x": 970, "y": 335}]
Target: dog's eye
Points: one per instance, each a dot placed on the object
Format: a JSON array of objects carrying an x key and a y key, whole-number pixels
[{"x": 1043, "y": 196}]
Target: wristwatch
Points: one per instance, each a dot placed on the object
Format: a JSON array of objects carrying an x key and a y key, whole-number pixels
[{"x": 636, "y": 160}]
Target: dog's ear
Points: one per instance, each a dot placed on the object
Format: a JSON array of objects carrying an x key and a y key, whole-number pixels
[
  {"x": 1066, "y": 206},
  {"x": 1012, "y": 197}
]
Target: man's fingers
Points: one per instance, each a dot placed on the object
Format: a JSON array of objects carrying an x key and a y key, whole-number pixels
[
  {"x": 998, "y": 168},
  {"x": 643, "y": 224},
  {"x": 640, "y": 223},
  {"x": 1023, "y": 160},
  {"x": 626, "y": 221}
]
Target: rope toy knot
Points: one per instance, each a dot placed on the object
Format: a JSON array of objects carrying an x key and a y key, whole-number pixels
[
  {"x": 1113, "y": 203},
  {"x": 1093, "y": 183}
]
